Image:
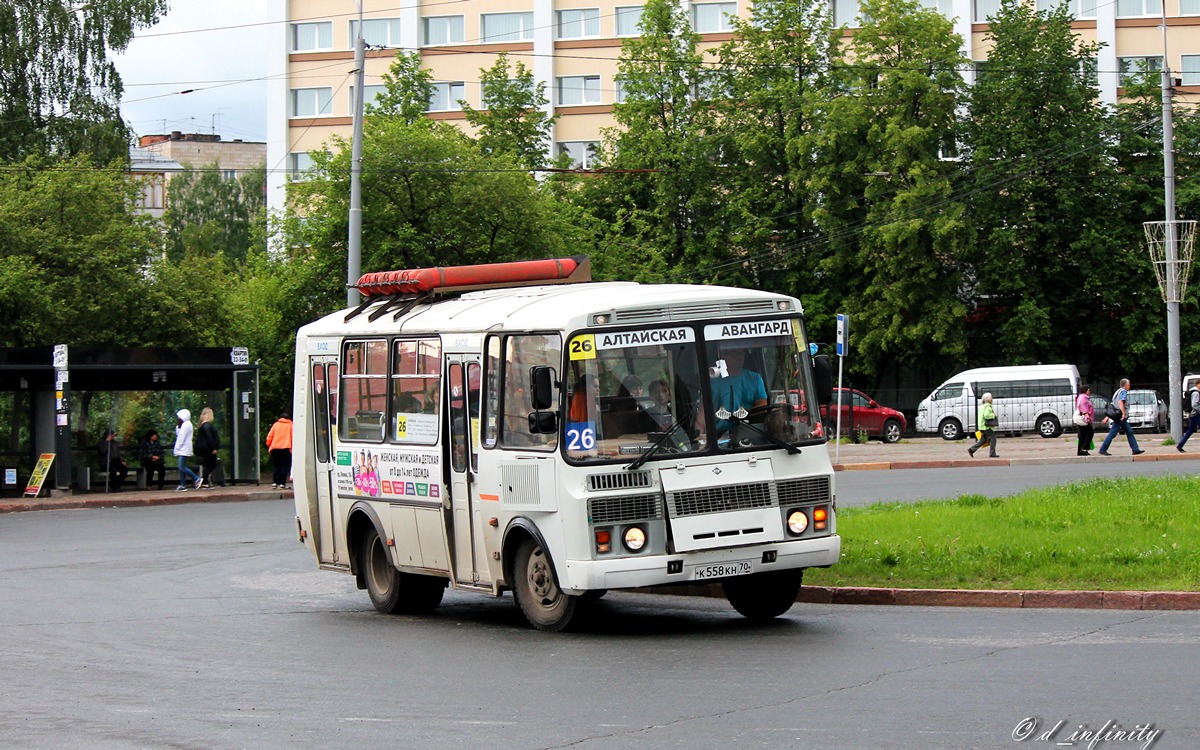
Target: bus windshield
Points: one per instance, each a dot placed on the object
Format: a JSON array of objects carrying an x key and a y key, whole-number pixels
[{"x": 630, "y": 390}]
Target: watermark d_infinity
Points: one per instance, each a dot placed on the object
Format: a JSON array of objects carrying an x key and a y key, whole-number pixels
[{"x": 1031, "y": 728}]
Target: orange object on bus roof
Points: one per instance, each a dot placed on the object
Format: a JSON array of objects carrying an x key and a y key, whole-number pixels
[{"x": 484, "y": 276}]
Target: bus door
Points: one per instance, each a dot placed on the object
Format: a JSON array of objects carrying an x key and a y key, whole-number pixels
[
  {"x": 324, "y": 398},
  {"x": 462, "y": 444}
]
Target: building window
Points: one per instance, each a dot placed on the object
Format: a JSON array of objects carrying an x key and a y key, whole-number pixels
[
  {"x": 301, "y": 164},
  {"x": 1191, "y": 70},
  {"x": 446, "y": 96},
  {"x": 943, "y": 7},
  {"x": 443, "y": 29},
  {"x": 578, "y": 90},
  {"x": 229, "y": 175},
  {"x": 1078, "y": 8},
  {"x": 370, "y": 94},
  {"x": 619, "y": 94},
  {"x": 985, "y": 9},
  {"x": 307, "y": 37},
  {"x": 507, "y": 27},
  {"x": 1133, "y": 67},
  {"x": 1138, "y": 8},
  {"x": 377, "y": 32},
  {"x": 629, "y": 19},
  {"x": 1189, "y": 7},
  {"x": 152, "y": 193},
  {"x": 312, "y": 102},
  {"x": 576, "y": 24},
  {"x": 845, "y": 13},
  {"x": 582, "y": 153},
  {"x": 708, "y": 18}
]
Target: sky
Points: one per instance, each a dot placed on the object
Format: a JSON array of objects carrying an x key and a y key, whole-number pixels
[{"x": 193, "y": 47}]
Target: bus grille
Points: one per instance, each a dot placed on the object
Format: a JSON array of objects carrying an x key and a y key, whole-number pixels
[
  {"x": 695, "y": 310},
  {"x": 621, "y": 480},
  {"x": 806, "y": 490},
  {"x": 721, "y": 499},
  {"x": 624, "y": 508}
]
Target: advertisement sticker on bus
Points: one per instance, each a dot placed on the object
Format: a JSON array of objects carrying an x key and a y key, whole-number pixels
[{"x": 389, "y": 474}]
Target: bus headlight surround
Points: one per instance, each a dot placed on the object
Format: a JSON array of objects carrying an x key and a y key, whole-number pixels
[
  {"x": 797, "y": 522},
  {"x": 634, "y": 538}
]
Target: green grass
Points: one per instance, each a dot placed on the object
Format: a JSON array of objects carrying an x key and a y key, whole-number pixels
[{"x": 1102, "y": 534}]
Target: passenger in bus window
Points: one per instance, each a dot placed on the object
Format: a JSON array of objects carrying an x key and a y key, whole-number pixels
[
  {"x": 631, "y": 385},
  {"x": 586, "y": 388}
]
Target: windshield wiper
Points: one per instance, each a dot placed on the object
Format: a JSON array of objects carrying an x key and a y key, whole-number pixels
[
  {"x": 773, "y": 438},
  {"x": 637, "y": 462}
]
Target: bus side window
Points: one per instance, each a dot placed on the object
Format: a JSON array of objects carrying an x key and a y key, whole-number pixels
[{"x": 520, "y": 354}]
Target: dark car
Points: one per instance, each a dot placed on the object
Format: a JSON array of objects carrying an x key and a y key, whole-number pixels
[{"x": 860, "y": 412}]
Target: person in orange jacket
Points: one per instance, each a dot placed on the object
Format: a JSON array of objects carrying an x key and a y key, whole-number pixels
[{"x": 279, "y": 443}]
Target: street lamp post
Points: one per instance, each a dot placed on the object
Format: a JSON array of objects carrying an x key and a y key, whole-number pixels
[{"x": 354, "y": 243}]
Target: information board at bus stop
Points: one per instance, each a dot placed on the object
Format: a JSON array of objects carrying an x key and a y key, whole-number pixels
[{"x": 40, "y": 471}]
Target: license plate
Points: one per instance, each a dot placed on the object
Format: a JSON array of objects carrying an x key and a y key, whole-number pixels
[{"x": 721, "y": 570}]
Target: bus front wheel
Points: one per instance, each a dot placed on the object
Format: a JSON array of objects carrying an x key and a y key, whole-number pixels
[
  {"x": 537, "y": 593},
  {"x": 391, "y": 591},
  {"x": 764, "y": 596}
]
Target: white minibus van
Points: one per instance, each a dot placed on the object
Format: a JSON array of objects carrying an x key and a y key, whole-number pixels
[{"x": 1027, "y": 397}]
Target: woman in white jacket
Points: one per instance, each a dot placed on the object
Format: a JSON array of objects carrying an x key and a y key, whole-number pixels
[{"x": 183, "y": 449}]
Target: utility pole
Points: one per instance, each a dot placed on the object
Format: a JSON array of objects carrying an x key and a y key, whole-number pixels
[
  {"x": 1172, "y": 247},
  {"x": 354, "y": 245}
]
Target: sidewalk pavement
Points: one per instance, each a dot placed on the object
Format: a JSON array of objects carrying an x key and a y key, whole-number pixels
[
  {"x": 913, "y": 453},
  {"x": 1027, "y": 450}
]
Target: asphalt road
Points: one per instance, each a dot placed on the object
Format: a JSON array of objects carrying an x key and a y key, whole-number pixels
[
  {"x": 209, "y": 626},
  {"x": 855, "y": 488}
]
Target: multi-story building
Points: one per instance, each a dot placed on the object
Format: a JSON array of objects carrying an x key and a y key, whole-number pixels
[
  {"x": 573, "y": 45},
  {"x": 197, "y": 150}
]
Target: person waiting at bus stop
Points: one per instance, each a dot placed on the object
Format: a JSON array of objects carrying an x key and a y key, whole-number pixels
[
  {"x": 987, "y": 427},
  {"x": 183, "y": 449},
  {"x": 111, "y": 462},
  {"x": 150, "y": 453}
]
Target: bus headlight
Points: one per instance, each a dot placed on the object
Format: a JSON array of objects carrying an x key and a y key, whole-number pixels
[
  {"x": 634, "y": 539},
  {"x": 797, "y": 522}
]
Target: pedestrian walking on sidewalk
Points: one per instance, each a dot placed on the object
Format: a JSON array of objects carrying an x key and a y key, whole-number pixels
[
  {"x": 1192, "y": 404},
  {"x": 279, "y": 443},
  {"x": 1085, "y": 416},
  {"x": 987, "y": 427},
  {"x": 183, "y": 450},
  {"x": 208, "y": 442},
  {"x": 1118, "y": 413}
]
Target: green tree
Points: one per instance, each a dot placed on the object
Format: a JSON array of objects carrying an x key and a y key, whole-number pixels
[
  {"x": 210, "y": 215},
  {"x": 430, "y": 197},
  {"x": 1043, "y": 196},
  {"x": 73, "y": 256},
  {"x": 663, "y": 204},
  {"x": 514, "y": 120},
  {"x": 407, "y": 88},
  {"x": 895, "y": 227},
  {"x": 776, "y": 73},
  {"x": 59, "y": 92}
]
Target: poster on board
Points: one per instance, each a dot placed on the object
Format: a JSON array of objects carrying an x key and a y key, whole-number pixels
[{"x": 40, "y": 472}]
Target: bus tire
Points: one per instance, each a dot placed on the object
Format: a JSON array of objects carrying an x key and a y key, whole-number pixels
[
  {"x": 764, "y": 596},
  {"x": 542, "y": 602},
  {"x": 951, "y": 429},
  {"x": 391, "y": 591},
  {"x": 1048, "y": 426}
]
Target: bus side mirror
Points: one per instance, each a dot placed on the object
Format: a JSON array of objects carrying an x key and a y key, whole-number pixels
[
  {"x": 541, "y": 380},
  {"x": 823, "y": 377},
  {"x": 543, "y": 422}
]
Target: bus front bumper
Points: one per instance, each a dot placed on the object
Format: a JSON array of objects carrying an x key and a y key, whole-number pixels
[{"x": 577, "y": 576}]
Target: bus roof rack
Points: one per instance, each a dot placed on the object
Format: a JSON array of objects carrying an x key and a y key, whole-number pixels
[{"x": 450, "y": 279}]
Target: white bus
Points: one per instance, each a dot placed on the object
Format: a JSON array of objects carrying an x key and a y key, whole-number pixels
[
  {"x": 1027, "y": 397},
  {"x": 501, "y": 427}
]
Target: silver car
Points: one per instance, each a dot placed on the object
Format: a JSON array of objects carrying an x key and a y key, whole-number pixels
[{"x": 1147, "y": 411}]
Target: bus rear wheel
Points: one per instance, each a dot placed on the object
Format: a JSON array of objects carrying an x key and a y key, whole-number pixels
[
  {"x": 542, "y": 602},
  {"x": 391, "y": 591},
  {"x": 764, "y": 596}
]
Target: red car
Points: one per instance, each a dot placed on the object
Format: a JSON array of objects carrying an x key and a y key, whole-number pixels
[{"x": 860, "y": 412}]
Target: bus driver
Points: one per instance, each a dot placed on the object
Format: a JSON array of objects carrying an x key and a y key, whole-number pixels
[{"x": 735, "y": 391}]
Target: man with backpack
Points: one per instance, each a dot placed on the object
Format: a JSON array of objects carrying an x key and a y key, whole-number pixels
[{"x": 1192, "y": 411}]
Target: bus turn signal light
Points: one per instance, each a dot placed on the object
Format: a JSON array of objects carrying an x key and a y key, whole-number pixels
[
  {"x": 820, "y": 517},
  {"x": 603, "y": 540}
]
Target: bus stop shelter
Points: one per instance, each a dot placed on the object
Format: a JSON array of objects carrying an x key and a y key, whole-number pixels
[{"x": 49, "y": 376}]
